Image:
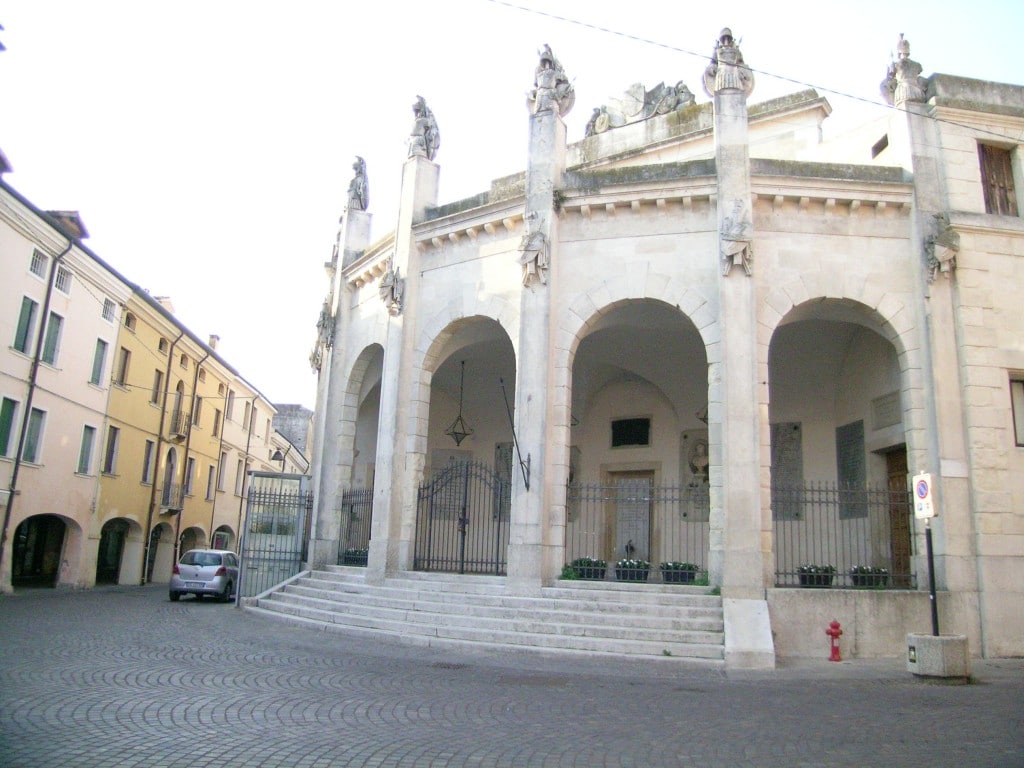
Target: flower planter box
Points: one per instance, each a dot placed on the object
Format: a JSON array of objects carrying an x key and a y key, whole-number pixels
[
  {"x": 354, "y": 559},
  {"x": 869, "y": 579},
  {"x": 816, "y": 579},
  {"x": 632, "y": 574},
  {"x": 679, "y": 577},
  {"x": 591, "y": 573}
]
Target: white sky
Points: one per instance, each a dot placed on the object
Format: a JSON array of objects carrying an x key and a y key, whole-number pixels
[{"x": 208, "y": 144}]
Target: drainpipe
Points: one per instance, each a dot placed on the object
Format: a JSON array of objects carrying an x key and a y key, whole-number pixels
[
  {"x": 188, "y": 442},
  {"x": 245, "y": 461},
  {"x": 44, "y": 320},
  {"x": 156, "y": 460}
]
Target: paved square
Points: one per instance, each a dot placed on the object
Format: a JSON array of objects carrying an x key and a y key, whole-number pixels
[{"x": 119, "y": 676}]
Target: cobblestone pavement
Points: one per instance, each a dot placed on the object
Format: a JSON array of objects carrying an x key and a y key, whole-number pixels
[{"x": 119, "y": 676}]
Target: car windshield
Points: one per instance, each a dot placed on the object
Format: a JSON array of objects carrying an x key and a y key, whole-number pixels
[{"x": 201, "y": 558}]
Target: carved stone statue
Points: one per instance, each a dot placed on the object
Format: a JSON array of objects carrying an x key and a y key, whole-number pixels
[
  {"x": 737, "y": 240},
  {"x": 425, "y": 138},
  {"x": 639, "y": 104},
  {"x": 392, "y": 290},
  {"x": 903, "y": 81},
  {"x": 324, "y": 336},
  {"x": 534, "y": 257},
  {"x": 552, "y": 90},
  {"x": 727, "y": 70},
  {"x": 358, "y": 188},
  {"x": 942, "y": 248}
]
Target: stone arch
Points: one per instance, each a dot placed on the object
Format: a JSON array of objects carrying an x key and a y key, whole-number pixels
[
  {"x": 223, "y": 538},
  {"x": 46, "y": 550},
  {"x": 119, "y": 552},
  {"x": 192, "y": 537},
  {"x": 160, "y": 558}
]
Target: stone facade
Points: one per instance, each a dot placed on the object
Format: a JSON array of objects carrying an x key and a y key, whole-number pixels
[{"x": 716, "y": 274}]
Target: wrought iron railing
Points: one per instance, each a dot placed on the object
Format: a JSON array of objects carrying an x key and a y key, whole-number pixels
[
  {"x": 355, "y": 516},
  {"x": 827, "y": 535},
  {"x": 635, "y": 519},
  {"x": 172, "y": 496},
  {"x": 178, "y": 423}
]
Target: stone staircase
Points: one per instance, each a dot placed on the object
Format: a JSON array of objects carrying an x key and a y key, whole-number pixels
[{"x": 670, "y": 622}]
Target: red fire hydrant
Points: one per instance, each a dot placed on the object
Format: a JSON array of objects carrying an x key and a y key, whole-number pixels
[{"x": 834, "y": 632}]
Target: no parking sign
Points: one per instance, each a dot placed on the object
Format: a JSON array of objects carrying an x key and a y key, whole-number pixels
[{"x": 923, "y": 506}]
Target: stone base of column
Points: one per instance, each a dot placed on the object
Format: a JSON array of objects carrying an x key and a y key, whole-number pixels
[
  {"x": 322, "y": 552},
  {"x": 748, "y": 634},
  {"x": 939, "y": 657},
  {"x": 525, "y": 569}
]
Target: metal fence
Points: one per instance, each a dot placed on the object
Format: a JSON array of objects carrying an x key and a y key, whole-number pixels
[
  {"x": 355, "y": 516},
  {"x": 636, "y": 519},
  {"x": 826, "y": 535},
  {"x": 275, "y": 534}
]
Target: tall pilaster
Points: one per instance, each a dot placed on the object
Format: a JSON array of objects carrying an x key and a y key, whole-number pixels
[
  {"x": 394, "y": 498},
  {"x": 332, "y": 443},
  {"x": 739, "y": 525},
  {"x": 551, "y": 98}
]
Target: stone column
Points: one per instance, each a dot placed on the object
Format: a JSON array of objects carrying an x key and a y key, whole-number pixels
[
  {"x": 943, "y": 448},
  {"x": 551, "y": 99},
  {"x": 740, "y": 530},
  {"x": 332, "y": 439},
  {"x": 398, "y": 469}
]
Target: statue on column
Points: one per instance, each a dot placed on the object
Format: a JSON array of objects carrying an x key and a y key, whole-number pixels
[
  {"x": 727, "y": 70},
  {"x": 737, "y": 240},
  {"x": 942, "y": 248},
  {"x": 903, "y": 81},
  {"x": 425, "y": 137},
  {"x": 324, "y": 335},
  {"x": 392, "y": 289},
  {"x": 534, "y": 257},
  {"x": 358, "y": 188},
  {"x": 552, "y": 90}
]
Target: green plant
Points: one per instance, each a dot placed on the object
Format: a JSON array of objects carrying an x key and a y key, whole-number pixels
[
  {"x": 569, "y": 573},
  {"x": 633, "y": 564},
  {"x": 674, "y": 566},
  {"x": 588, "y": 568},
  {"x": 869, "y": 576},
  {"x": 816, "y": 569},
  {"x": 867, "y": 569},
  {"x": 353, "y": 552}
]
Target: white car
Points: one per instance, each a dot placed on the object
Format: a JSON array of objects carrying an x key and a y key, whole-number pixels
[{"x": 205, "y": 572}]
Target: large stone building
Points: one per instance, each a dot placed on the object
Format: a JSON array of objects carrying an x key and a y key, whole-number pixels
[{"x": 700, "y": 334}]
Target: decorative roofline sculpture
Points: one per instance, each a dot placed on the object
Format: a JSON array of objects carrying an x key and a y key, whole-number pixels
[
  {"x": 425, "y": 139},
  {"x": 359, "y": 187},
  {"x": 727, "y": 70},
  {"x": 903, "y": 81},
  {"x": 552, "y": 90},
  {"x": 638, "y": 104}
]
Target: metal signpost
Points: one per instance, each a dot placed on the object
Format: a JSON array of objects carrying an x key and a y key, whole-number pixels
[{"x": 924, "y": 509}]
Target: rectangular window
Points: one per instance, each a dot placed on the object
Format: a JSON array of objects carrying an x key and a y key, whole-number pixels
[
  {"x": 239, "y": 477},
  {"x": 230, "y": 407},
  {"x": 51, "y": 345},
  {"x": 266, "y": 435},
  {"x": 85, "y": 454},
  {"x": 8, "y": 413},
  {"x": 197, "y": 410},
  {"x": 26, "y": 325},
  {"x": 39, "y": 263},
  {"x": 34, "y": 437},
  {"x": 110, "y": 457},
  {"x": 1016, "y": 398},
  {"x": 184, "y": 362},
  {"x": 109, "y": 310},
  {"x": 99, "y": 362},
  {"x": 997, "y": 180},
  {"x": 158, "y": 386},
  {"x": 190, "y": 473},
  {"x": 147, "y": 462},
  {"x": 124, "y": 360},
  {"x": 209, "y": 483},
  {"x": 222, "y": 463},
  {"x": 63, "y": 281},
  {"x": 626, "y": 432},
  {"x": 246, "y": 415},
  {"x": 216, "y": 422}
]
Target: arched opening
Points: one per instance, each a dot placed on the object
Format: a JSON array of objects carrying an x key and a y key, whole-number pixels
[
  {"x": 463, "y": 513},
  {"x": 37, "y": 551},
  {"x": 191, "y": 538},
  {"x": 111, "y": 551},
  {"x": 223, "y": 538},
  {"x": 161, "y": 554},
  {"x": 840, "y": 506},
  {"x": 170, "y": 497},
  {"x": 638, "y": 458}
]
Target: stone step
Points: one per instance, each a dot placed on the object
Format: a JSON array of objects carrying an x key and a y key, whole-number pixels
[{"x": 650, "y": 620}]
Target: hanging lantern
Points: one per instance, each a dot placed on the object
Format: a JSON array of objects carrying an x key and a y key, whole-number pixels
[{"x": 459, "y": 430}]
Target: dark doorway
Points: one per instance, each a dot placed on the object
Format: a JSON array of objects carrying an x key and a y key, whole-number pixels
[
  {"x": 38, "y": 544},
  {"x": 899, "y": 514},
  {"x": 108, "y": 558}
]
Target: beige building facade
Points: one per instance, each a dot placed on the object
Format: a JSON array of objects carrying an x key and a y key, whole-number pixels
[{"x": 700, "y": 335}]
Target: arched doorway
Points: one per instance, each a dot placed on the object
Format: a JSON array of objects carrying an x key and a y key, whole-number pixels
[
  {"x": 37, "y": 549},
  {"x": 111, "y": 550},
  {"x": 223, "y": 538},
  {"x": 191, "y": 538},
  {"x": 161, "y": 554}
]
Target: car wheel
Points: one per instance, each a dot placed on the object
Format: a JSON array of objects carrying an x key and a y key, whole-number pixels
[
  {"x": 225, "y": 596},
  {"x": 174, "y": 596}
]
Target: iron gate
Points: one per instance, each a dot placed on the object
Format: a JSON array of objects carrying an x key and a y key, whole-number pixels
[
  {"x": 276, "y": 530},
  {"x": 462, "y": 520}
]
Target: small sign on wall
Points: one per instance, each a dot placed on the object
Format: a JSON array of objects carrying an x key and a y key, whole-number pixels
[{"x": 924, "y": 506}]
